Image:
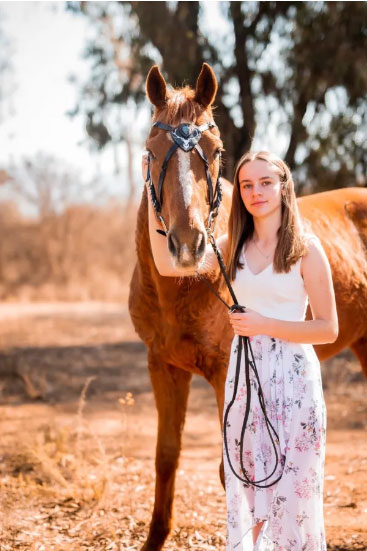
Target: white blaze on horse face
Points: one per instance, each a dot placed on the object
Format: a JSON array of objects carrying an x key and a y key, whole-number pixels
[{"x": 185, "y": 176}]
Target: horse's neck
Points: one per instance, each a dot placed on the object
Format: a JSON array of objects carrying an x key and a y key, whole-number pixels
[{"x": 142, "y": 239}]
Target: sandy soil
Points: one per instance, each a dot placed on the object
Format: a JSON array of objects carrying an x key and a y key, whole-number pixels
[{"x": 77, "y": 450}]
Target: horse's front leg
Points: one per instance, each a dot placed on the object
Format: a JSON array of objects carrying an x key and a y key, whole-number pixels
[
  {"x": 171, "y": 389},
  {"x": 218, "y": 383}
]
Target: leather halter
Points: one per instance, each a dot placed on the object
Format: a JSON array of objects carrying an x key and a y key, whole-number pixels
[{"x": 185, "y": 136}]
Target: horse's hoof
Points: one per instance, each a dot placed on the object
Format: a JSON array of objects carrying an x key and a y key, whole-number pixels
[
  {"x": 148, "y": 546},
  {"x": 155, "y": 542}
]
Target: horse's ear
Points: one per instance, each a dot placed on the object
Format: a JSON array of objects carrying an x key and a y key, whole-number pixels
[
  {"x": 156, "y": 87},
  {"x": 206, "y": 86}
]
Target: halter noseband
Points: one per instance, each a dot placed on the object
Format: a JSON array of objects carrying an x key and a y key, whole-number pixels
[{"x": 185, "y": 136}]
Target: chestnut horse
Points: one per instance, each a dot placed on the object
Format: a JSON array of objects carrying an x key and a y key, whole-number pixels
[{"x": 184, "y": 325}]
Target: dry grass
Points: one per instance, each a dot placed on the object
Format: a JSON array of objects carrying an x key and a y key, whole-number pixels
[
  {"x": 65, "y": 491},
  {"x": 82, "y": 253},
  {"x": 77, "y": 453},
  {"x": 64, "y": 473}
]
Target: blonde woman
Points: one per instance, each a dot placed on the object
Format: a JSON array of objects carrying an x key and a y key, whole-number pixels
[{"x": 276, "y": 267}]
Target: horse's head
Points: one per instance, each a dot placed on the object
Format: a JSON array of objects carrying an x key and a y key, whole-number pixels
[{"x": 184, "y": 156}]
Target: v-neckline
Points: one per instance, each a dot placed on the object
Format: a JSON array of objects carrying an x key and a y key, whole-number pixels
[{"x": 251, "y": 272}]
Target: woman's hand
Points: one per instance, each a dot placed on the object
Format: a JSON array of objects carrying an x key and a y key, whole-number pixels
[{"x": 248, "y": 323}]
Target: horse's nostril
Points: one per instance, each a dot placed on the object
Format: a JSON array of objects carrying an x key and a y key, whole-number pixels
[
  {"x": 189, "y": 249},
  {"x": 173, "y": 243},
  {"x": 200, "y": 244}
]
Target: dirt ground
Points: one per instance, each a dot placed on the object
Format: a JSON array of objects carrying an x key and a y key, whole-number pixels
[{"x": 78, "y": 433}]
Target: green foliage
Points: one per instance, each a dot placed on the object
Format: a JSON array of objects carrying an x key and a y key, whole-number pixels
[{"x": 297, "y": 65}]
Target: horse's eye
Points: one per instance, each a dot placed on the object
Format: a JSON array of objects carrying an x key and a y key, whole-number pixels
[{"x": 217, "y": 152}]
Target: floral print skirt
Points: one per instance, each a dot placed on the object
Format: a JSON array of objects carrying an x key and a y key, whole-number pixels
[{"x": 292, "y": 509}]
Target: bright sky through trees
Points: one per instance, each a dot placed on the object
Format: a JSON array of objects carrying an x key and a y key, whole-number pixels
[{"x": 46, "y": 44}]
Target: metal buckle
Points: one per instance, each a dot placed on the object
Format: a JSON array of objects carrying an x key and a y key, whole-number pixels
[
  {"x": 237, "y": 308},
  {"x": 186, "y": 136}
]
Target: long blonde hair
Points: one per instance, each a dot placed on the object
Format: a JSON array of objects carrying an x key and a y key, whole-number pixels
[{"x": 292, "y": 231}]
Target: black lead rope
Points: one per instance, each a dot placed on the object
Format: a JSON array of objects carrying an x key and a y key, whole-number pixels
[
  {"x": 186, "y": 137},
  {"x": 243, "y": 343}
]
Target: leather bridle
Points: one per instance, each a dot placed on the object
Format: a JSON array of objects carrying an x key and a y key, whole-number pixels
[{"x": 186, "y": 136}]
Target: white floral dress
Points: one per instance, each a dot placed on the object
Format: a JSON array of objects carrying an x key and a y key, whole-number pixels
[{"x": 291, "y": 382}]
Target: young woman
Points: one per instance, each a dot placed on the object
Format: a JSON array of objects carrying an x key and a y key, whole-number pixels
[{"x": 276, "y": 267}]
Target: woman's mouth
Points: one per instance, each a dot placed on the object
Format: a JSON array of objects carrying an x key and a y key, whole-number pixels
[{"x": 258, "y": 203}]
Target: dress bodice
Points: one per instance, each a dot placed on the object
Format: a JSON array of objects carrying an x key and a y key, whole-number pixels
[{"x": 281, "y": 296}]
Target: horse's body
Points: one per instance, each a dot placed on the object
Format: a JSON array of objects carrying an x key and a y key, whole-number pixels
[
  {"x": 186, "y": 328},
  {"x": 339, "y": 219}
]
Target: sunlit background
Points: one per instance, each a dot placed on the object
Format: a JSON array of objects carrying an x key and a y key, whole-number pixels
[
  {"x": 74, "y": 118},
  {"x": 78, "y": 419}
]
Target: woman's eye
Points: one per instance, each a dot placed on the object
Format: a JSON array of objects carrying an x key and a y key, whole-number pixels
[{"x": 249, "y": 186}]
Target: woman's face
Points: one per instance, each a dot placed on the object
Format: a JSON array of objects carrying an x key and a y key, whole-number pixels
[{"x": 260, "y": 187}]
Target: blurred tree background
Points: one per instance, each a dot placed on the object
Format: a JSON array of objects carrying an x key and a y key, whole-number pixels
[
  {"x": 292, "y": 76},
  {"x": 74, "y": 247},
  {"x": 297, "y": 67},
  {"x": 60, "y": 234}
]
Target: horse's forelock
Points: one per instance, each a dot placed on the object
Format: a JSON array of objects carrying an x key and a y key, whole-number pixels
[{"x": 180, "y": 107}]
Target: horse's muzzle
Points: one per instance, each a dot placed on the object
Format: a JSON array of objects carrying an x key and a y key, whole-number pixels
[{"x": 188, "y": 249}]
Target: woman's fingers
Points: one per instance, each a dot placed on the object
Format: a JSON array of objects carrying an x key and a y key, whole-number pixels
[
  {"x": 238, "y": 326},
  {"x": 237, "y": 317},
  {"x": 244, "y": 323}
]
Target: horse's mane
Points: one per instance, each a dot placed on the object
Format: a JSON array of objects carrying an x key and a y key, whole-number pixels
[{"x": 181, "y": 106}]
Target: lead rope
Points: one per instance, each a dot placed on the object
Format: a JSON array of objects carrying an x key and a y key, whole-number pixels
[{"x": 243, "y": 343}]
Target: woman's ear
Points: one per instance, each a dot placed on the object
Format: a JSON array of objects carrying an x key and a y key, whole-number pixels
[
  {"x": 156, "y": 87},
  {"x": 206, "y": 86}
]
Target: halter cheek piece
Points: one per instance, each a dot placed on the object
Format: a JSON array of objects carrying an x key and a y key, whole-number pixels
[{"x": 186, "y": 137}]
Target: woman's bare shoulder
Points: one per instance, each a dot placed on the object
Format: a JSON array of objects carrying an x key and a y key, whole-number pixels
[
  {"x": 223, "y": 240},
  {"x": 315, "y": 254},
  {"x": 310, "y": 238},
  {"x": 313, "y": 245},
  {"x": 314, "y": 250}
]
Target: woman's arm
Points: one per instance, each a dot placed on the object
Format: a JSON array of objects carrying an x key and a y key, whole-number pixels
[
  {"x": 161, "y": 254},
  {"x": 323, "y": 328}
]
